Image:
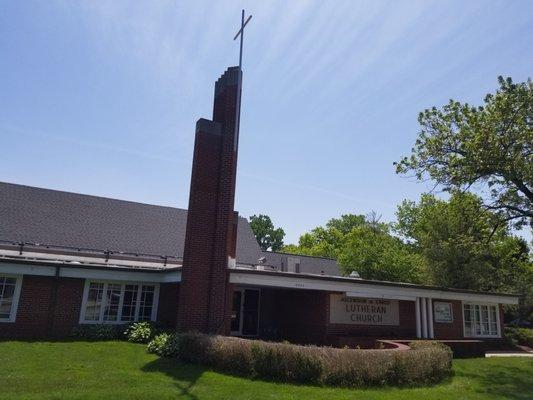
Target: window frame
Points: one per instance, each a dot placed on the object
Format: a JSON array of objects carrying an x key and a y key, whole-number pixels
[
  {"x": 16, "y": 297},
  {"x": 473, "y": 334},
  {"x": 123, "y": 284}
]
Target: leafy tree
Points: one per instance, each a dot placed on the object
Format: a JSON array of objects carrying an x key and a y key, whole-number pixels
[
  {"x": 460, "y": 246},
  {"x": 326, "y": 241},
  {"x": 376, "y": 254},
  {"x": 268, "y": 237},
  {"x": 362, "y": 244},
  {"x": 489, "y": 148}
]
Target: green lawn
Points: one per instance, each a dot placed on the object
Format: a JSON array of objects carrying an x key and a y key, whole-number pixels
[{"x": 118, "y": 370}]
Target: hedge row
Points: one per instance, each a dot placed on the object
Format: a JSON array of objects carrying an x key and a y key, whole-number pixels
[
  {"x": 426, "y": 362},
  {"x": 137, "y": 332},
  {"x": 523, "y": 336}
]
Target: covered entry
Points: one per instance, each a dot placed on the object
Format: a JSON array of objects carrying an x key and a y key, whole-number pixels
[{"x": 245, "y": 312}]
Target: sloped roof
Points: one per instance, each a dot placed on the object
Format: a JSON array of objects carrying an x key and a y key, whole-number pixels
[
  {"x": 52, "y": 217},
  {"x": 308, "y": 264}
]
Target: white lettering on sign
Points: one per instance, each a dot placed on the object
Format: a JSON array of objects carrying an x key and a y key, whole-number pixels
[{"x": 360, "y": 311}]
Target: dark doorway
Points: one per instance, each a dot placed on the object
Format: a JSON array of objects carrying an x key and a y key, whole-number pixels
[{"x": 245, "y": 312}]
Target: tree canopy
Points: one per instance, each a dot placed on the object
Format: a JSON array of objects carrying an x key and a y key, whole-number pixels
[
  {"x": 460, "y": 245},
  {"x": 361, "y": 244},
  {"x": 268, "y": 237},
  {"x": 489, "y": 148}
]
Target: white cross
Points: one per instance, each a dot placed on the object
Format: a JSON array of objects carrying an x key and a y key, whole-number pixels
[{"x": 241, "y": 34}]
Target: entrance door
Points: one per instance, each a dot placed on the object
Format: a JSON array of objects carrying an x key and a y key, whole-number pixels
[{"x": 245, "y": 312}]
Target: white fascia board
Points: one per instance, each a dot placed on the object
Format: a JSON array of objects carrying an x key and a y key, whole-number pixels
[
  {"x": 379, "y": 294},
  {"x": 85, "y": 273},
  {"x": 374, "y": 290},
  {"x": 27, "y": 269},
  {"x": 88, "y": 273}
]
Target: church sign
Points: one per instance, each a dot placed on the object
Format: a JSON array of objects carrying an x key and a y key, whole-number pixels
[{"x": 361, "y": 311}]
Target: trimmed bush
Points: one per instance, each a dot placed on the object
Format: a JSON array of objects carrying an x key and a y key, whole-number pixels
[
  {"x": 286, "y": 362},
  {"x": 523, "y": 336},
  {"x": 425, "y": 362},
  {"x": 98, "y": 332},
  {"x": 140, "y": 332},
  {"x": 164, "y": 345}
]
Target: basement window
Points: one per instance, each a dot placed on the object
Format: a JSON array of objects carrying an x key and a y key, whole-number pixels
[
  {"x": 481, "y": 320},
  {"x": 118, "y": 302},
  {"x": 9, "y": 297}
]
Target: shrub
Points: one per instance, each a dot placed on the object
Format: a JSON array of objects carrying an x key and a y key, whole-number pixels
[
  {"x": 164, "y": 345},
  {"x": 286, "y": 362},
  {"x": 97, "y": 332},
  {"x": 140, "y": 332},
  {"x": 523, "y": 336},
  {"x": 425, "y": 362}
]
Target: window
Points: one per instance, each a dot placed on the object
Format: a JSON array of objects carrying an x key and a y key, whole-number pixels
[
  {"x": 9, "y": 296},
  {"x": 481, "y": 320},
  {"x": 115, "y": 302}
]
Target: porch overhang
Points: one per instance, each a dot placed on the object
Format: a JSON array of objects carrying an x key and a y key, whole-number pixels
[{"x": 362, "y": 288}]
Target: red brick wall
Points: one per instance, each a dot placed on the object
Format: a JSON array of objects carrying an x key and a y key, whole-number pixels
[
  {"x": 37, "y": 318},
  {"x": 453, "y": 330},
  {"x": 35, "y": 315},
  {"x": 205, "y": 291},
  {"x": 302, "y": 316},
  {"x": 295, "y": 315}
]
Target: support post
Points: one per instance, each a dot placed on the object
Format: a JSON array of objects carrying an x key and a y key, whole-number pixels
[
  {"x": 424, "y": 318},
  {"x": 430, "y": 318},
  {"x": 417, "y": 314}
]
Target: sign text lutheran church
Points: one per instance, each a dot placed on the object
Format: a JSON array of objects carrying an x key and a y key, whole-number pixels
[{"x": 359, "y": 311}]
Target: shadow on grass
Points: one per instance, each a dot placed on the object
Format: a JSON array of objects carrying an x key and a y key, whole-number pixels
[
  {"x": 509, "y": 382},
  {"x": 185, "y": 376}
]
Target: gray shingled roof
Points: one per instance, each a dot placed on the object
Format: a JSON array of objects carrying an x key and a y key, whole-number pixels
[
  {"x": 35, "y": 215},
  {"x": 308, "y": 265}
]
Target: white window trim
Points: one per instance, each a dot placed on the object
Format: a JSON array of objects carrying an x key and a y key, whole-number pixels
[
  {"x": 16, "y": 297},
  {"x": 88, "y": 282},
  {"x": 498, "y": 326}
]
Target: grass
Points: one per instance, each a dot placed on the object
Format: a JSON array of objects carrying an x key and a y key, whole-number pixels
[{"x": 120, "y": 370}]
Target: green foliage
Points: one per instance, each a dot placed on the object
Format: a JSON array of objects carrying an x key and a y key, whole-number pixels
[
  {"x": 327, "y": 241},
  {"x": 286, "y": 362},
  {"x": 164, "y": 345},
  {"x": 376, "y": 254},
  {"x": 268, "y": 237},
  {"x": 98, "y": 332},
  {"x": 522, "y": 336},
  {"x": 488, "y": 147},
  {"x": 140, "y": 332},
  {"x": 365, "y": 245},
  {"x": 464, "y": 245}
]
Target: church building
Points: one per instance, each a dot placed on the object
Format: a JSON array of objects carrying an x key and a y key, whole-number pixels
[{"x": 69, "y": 259}]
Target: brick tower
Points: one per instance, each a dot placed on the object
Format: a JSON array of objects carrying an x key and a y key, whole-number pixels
[{"x": 210, "y": 239}]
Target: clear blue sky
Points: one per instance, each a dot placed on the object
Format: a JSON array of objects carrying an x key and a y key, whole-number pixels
[{"x": 101, "y": 97}]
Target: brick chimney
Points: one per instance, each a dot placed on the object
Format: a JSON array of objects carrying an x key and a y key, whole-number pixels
[{"x": 210, "y": 239}]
